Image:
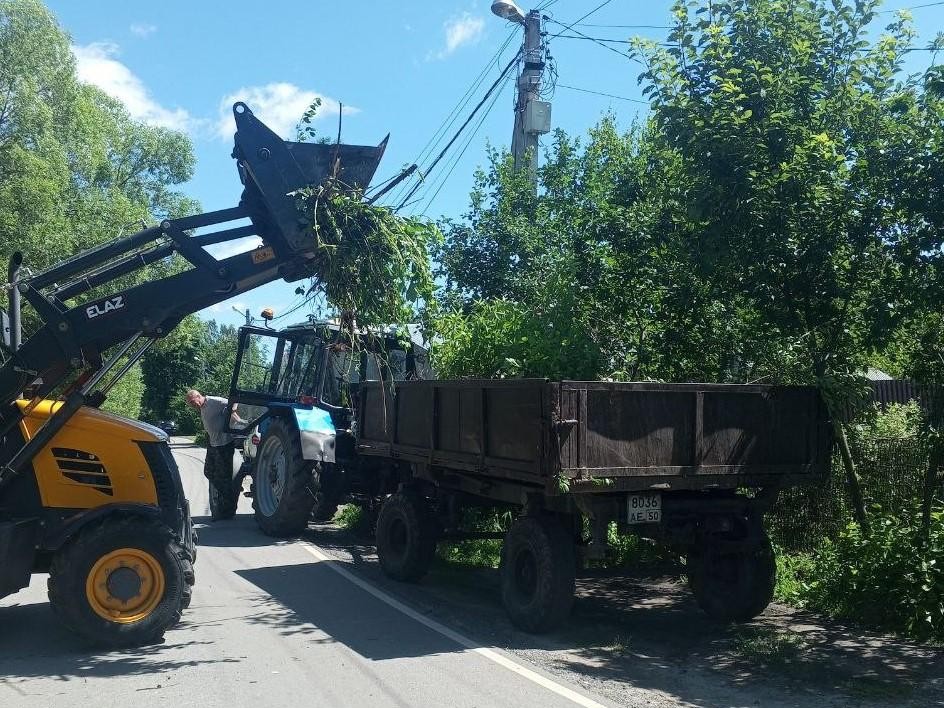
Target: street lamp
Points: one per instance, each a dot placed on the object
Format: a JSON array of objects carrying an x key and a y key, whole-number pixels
[{"x": 508, "y": 10}]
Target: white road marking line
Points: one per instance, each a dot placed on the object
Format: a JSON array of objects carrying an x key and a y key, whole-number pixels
[{"x": 490, "y": 654}]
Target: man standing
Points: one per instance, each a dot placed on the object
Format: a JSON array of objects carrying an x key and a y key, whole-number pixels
[{"x": 218, "y": 465}]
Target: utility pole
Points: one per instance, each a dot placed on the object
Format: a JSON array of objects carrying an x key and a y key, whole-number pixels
[
  {"x": 532, "y": 115},
  {"x": 246, "y": 313}
]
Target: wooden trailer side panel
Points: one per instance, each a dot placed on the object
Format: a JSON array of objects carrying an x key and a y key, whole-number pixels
[
  {"x": 640, "y": 430},
  {"x": 496, "y": 428},
  {"x": 642, "y": 435}
]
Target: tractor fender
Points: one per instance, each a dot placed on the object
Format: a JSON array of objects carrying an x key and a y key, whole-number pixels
[
  {"x": 67, "y": 528},
  {"x": 316, "y": 431}
]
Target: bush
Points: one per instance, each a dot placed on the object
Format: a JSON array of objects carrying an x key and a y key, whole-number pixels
[
  {"x": 892, "y": 580},
  {"x": 794, "y": 575}
]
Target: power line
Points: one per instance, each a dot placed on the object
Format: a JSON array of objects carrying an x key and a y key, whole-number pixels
[
  {"x": 456, "y": 111},
  {"x": 604, "y": 40},
  {"x": 913, "y": 7},
  {"x": 468, "y": 120},
  {"x": 600, "y": 93},
  {"x": 592, "y": 39},
  {"x": 594, "y": 10},
  {"x": 587, "y": 24},
  {"x": 464, "y": 100},
  {"x": 458, "y": 158}
]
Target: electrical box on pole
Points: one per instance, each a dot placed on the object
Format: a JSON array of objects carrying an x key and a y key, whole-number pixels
[{"x": 532, "y": 115}]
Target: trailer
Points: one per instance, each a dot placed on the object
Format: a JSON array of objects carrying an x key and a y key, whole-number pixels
[{"x": 692, "y": 466}]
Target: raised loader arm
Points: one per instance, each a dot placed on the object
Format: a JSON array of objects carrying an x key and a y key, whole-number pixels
[{"x": 67, "y": 351}]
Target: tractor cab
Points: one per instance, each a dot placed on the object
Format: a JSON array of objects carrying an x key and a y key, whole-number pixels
[
  {"x": 317, "y": 364},
  {"x": 293, "y": 393}
]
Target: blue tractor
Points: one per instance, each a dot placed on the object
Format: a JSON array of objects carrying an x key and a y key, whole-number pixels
[{"x": 294, "y": 392}]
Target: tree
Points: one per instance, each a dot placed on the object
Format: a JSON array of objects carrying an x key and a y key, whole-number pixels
[
  {"x": 811, "y": 169},
  {"x": 590, "y": 273},
  {"x": 75, "y": 168}
]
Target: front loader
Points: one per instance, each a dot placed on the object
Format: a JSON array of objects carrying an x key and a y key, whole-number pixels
[{"x": 95, "y": 499}]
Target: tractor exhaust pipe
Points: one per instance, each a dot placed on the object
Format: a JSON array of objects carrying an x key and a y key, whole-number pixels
[{"x": 13, "y": 274}]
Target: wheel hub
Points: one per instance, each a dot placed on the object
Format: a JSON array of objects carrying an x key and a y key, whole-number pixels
[{"x": 125, "y": 585}]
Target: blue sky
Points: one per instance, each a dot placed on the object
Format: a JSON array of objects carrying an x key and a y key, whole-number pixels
[{"x": 400, "y": 67}]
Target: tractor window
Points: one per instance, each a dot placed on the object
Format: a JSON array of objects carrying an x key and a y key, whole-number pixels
[
  {"x": 372, "y": 367},
  {"x": 421, "y": 363},
  {"x": 396, "y": 359},
  {"x": 300, "y": 368},
  {"x": 258, "y": 356},
  {"x": 343, "y": 370}
]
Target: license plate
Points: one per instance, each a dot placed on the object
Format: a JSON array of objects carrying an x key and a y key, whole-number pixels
[{"x": 644, "y": 508}]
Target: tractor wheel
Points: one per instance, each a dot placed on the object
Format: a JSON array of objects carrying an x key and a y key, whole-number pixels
[
  {"x": 406, "y": 537},
  {"x": 733, "y": 586},
  {"x": 283, "y": 483},
  {"x": 224, "y": 496},
  {"x": 537, "y": 573},
  {"x": 122, "y": 581}
]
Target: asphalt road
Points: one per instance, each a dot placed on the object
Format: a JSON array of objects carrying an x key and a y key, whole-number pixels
[{"x": 271, "y": 624}]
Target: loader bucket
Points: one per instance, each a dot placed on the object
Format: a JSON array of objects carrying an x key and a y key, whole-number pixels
[{"x": 271, "y": 169}]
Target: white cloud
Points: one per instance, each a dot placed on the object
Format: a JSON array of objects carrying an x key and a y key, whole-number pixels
[
  {"x": 96, "y": 64},
  {"x": 461, "y": 31},
  {"x": 142, "y": 29},
  {"x": 279, "y": 105}
]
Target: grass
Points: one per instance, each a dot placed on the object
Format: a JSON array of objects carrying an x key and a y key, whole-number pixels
[
  {"x": 794, "y": 573},
  {"x": 349, "y": 516},
  {"x": 769, "y": 647},
  {"x": 478, "y": 553}
]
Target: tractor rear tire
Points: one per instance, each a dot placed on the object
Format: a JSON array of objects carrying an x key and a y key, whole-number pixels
[
  {"x": 284, "y": 485},
  {"x": 122, "y": 581},
  {"x": 406, "y": 537},
  {"x": 538, "y": 566},
  {"x": 733, "y": 586}
]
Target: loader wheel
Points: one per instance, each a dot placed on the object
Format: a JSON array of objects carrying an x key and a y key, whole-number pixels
[
  {"x": 406, "y": 537},
  {"x": 121, "y": 582},
  {"x": 283, "y": 483},
  {"x": 224, "y": 496},
  {"x": 537, "y": 573},
  {"x": 733, "y": 586}
]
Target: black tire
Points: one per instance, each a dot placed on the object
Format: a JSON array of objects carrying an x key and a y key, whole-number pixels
[
  {"x": 329, "y": 494},
  {"x": 224, "y": 498},
  {"x": 537, "y": 573},
  {"x": 282, "y": 512},
  {"x": 406, "y": 537},
  {"x": 733, "y": 586},
  {"x": 71, "y": 588}
]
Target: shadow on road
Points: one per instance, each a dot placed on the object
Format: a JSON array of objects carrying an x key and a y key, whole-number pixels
[
  {"x": 239, "y": 532},
  {"x": 313, "y": 598},
  {"x": 34, "y": 644},
  {"x": 630, "y": 628}
]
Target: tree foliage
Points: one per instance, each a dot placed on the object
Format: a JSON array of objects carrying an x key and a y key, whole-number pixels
[
  {"x": 75, "y": 168},
  {"x": 812, "y": 172}
]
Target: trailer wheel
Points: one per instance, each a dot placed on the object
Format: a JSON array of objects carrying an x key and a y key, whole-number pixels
[
  {"x": 733, "y": 586},
  {"x": 282, "y": 483},
  {"x": 121, "y": 582},
  {"x": 537, "y": 573},
  {"x": 406, "y": 537}
]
